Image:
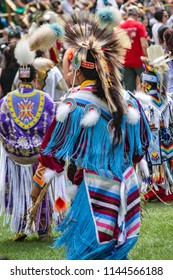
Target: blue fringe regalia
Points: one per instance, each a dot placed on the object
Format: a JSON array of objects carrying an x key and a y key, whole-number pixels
[{"x": 104, "y": 218}]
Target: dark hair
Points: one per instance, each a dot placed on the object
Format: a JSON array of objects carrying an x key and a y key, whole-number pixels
[
  {"x": 9, "y": 59},
  {"x": 91, "y": 74},
  {"x": 168, "y": 37},
  {"x": 39, "y": 53},
  {"x": 159, "y": 15},
  {"x": 161, "y": 31},
  {"x": 99, "y": 91},
  {"x": 14, "y": 32},
  {"x": 32, "y": 74}
]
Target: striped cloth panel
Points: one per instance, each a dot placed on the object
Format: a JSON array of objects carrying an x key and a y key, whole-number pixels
[{"x": 115, "y": 206}]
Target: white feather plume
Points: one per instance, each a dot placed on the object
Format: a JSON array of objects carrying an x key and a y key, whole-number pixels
[
  {"x": 90, "y": 118},
  {"x": 49, "y": 175},
  {"x": 62, "y": 112},
  {"x": 144, "y": 168},
  {"x": 143, "y": 98},
  {"x": 133, "y": 115},
  {"x": 40, "y": 38},
  {"x": 50, "y": 16},
  {"x": 32, "y": 28},
  {"x": 42, "y": 63},
  {"x": 22, "y": 52},
  {"x": 43, "y": 38},
  {"x": 71, "y": 191}
]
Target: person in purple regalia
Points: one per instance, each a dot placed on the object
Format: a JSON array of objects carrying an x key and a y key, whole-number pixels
[{"x": 25, "y": 115}]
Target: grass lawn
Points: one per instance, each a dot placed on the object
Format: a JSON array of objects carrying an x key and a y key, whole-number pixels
[
  {"x": 156, "y": 236},
  {"x": 155, "y": 241}
]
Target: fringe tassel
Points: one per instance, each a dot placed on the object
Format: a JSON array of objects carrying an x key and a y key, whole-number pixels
[
  {"x": 78, "y": 234},
  {"x": 19, "y": 185}
]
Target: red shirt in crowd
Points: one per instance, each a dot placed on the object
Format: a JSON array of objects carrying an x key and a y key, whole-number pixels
[{"x": 135, "y": 30}]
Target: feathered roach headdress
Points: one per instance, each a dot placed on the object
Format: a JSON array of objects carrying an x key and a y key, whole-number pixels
[
  {"x": 84, "y": 32},
  {"x": 155, "y": 68}
]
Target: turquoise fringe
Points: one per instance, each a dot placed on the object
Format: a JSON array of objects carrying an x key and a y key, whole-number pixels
[
  {"x": 91, "y": 147},
  {"x": 78, "y": 235}
]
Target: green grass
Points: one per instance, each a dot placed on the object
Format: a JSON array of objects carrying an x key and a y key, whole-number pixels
[
  {"x": 155, "y": 241},
  {"x": 156, "y": 233},
  {"x": 30, "y": 249}
]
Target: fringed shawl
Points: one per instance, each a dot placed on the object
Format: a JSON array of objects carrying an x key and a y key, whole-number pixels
[{"x": 91, "y": 147}]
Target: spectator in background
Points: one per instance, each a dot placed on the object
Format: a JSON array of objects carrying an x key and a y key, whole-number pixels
[
  {"x": 8, "y": 70},
  {"x": 4, "y": 38},
  {"x": 168, "y": 39},
  {"x": 3, "y": 20},
  {"x": 170, "y": 19},
  {"x": 56, "y": 6},
  {"x": 161, "y": 17},
  {"x": 161, "y": 32},
  {"x": 125, "y": 5},
  {"x": 23, "y": 3},
  {"x": 3, "y": 42},
  {"x": 67, "y": 6},
  {"x": 82, "y": 5},
  {"x": 144, "y": 19},
  {"x": 14, "y": 34},
  {"x": 133, "y": 66},
  {"x": 92, "y": 6},
  {"x": 102, "y": 3},
  {"x": 153, "y": 6}
]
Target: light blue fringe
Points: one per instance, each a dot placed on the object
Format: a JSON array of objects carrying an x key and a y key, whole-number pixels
[
  {"x": 70, "y": 138},
  {"x": 78, "y": 235}
]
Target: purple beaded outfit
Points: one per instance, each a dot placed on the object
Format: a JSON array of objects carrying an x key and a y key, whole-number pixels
[{"x": 25, "y": 115}]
